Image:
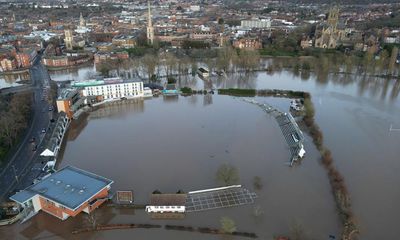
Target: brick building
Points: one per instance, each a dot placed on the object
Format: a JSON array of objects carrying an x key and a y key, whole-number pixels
[
  {"x": 65, "y": 193},
  {"x": 248, "y": 43}
]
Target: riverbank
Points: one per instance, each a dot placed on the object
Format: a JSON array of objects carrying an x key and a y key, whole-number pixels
[
  {"x": 17, "y": 71},
  {"x": 339, "y": 189},
  {"x": 85, "y": 64},
  {"x": 204, "y": 230}
]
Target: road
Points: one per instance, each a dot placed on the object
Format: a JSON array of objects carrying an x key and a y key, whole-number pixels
[{"x": 21, "y": 163}]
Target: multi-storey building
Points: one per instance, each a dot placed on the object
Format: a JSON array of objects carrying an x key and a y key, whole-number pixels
[
  {"x": 104, "y": 56},
  {"x": 248, "y": 43},
  {"x": 111, "y": 88},
  {"x": 69, "y": 101},
  {"x": 124, "y": 41},
  {"x": 8, "y": 64},
  {"x": 256, "y": 23}
]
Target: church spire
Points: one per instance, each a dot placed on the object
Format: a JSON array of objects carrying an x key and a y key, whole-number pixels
[
  {"x": 81, "y": 21},
  {"x": 149, "y": 23},
  {"x": 150, "y": 29}
]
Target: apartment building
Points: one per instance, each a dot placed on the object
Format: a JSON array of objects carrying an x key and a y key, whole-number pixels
[
  {"x": 256, "y": 23},
  {"x": 111, "y": 88}
]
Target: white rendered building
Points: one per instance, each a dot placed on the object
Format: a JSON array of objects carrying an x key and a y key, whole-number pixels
[
  {"x": 111, "y": 88},
  {"x": 256, "y": 23}
]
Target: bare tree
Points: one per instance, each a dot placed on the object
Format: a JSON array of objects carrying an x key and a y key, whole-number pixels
[
  {"x": 249, "y": 60},
  {"x": 90, "y": 74},
  {"x": 149, "y": 63},
  {"x": 227, "y": 225},
  {"x": 382, "y": 61},
  {"x": 14, "y": 119},
  {"x": 170, "y": 63},
  {"x": 392, "y": 61},
  {"x": 257, "y": 183},
  {"x": 104, "y": 68},
  {"x": 227, "y": 174},
  {"x": 225, "y": 57},
  {"x": 297, "y": 231}
]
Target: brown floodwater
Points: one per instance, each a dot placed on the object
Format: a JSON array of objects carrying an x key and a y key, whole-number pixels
[
  {"x": 12, "y": 80},
  {"x": 178, "y": 143}
]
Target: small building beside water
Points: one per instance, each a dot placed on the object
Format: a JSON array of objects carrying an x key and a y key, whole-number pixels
[
  {"x": 170, "y": 90},
  {"x": 65, "y": 193}
]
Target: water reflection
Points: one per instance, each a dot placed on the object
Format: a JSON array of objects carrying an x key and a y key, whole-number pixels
[
  {"x": 322, "y": 71},
  {"x": 170, "y": 99},
  {"x": 207, "y": 99},
  {"x": 361, "y": 106},
  {"x": 119, "y": 109},
  {"x": 12, "y": 80}
]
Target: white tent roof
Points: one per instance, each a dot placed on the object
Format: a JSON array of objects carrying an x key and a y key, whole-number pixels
[
  {"x": 302, "y": 152},
  {"x": 47, "y": 153}
]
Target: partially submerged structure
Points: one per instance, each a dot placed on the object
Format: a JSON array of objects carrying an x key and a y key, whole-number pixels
[
  {"x": 65, "y": 193},
  {"x": 57, "y": 136},
  {"x": 175, "y": 205},
  {"x": 222, "y": 197},
  {"x": 170, "y": 90},
  {"x": 290, "y": 130},
  {"x": 166, "y": 203}
]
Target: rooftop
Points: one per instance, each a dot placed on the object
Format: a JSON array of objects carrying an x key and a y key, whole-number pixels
[
  {"x": 168, "y": 199},
  {"x": 70, "y": 187},
  {"x": 100, "y": 81},
  {"x": 67, "y": 93}
]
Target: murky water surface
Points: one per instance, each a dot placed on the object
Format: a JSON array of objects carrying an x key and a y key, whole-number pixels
[{"x": 178, "y": 143}]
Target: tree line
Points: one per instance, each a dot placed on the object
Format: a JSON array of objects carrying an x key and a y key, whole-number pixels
[
  {"x": 155, "y": 64},
  {"x": 14, "y": 116}
]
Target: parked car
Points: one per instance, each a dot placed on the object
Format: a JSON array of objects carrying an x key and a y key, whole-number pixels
[
  {"x": 50, "y": 108},
  {"x": 43, "y": 130},
  {"x": 32, "y": 140}
]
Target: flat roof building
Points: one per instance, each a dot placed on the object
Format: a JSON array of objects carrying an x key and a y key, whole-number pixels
[
  {"x": 65, "y": 193},
  {"x": 111, "y": 88},
  {"x": 69, "y": 101}
]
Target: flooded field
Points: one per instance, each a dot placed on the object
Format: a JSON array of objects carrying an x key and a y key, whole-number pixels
[{"x": 178, "y": 143}]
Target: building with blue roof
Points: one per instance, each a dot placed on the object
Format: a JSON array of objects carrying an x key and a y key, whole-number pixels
[{"x": 65, "y": 193}]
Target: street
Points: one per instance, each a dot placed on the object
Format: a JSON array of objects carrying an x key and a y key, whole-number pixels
[{"x": 12, "y": 175}]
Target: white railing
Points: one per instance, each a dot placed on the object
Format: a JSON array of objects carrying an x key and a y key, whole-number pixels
[{"x": 215, "y": 189}]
